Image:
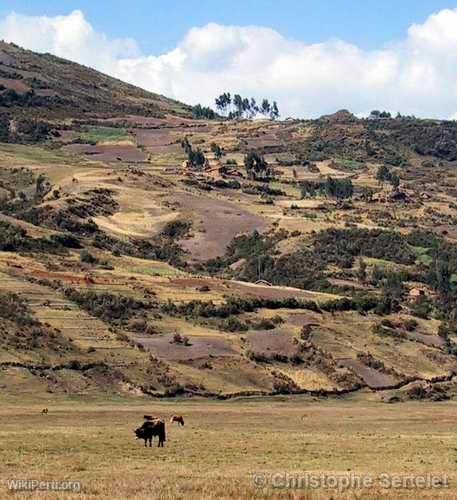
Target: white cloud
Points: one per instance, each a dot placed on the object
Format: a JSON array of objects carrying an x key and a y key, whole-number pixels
[
  {"x": 71, "y": 37},
  {"x": 417, "y": 75}
]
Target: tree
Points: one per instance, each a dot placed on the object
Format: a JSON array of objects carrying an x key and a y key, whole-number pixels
[
  {"x": 185, "y": 144},
  {"x": 220, "y": 104},
  {"x": 265, "y": 107},
  {"x": 42, "y": 188},
  {"x": 308, "y": 189},
  {"x": 256, "y": 166},
  {"x": 4, "y": 129},
  {"x": 223, "y": 102},
  {"x": 393, "y": 285},
  {"x": 338, "y": 188},
  {"x": 376, "y": 114},
  {"x": 394, "y": 180},
  {"x": 217, "y": 150},
  {"x": 197, "y": 158},
  {"x": 274, "y": 113},
  {"x": 254, "y": 107},
  {"x": 383, "y": 173},
  {"x": 362, "y": 270},
  {"x": 246, "y": 106},
  {"x": 198, "y": 111},
  {"x": 442, "y": 278},
  {"x": 238, "y": 103}
]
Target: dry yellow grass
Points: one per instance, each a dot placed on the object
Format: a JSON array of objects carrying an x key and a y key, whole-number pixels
[{"x": 223, "y": 444}]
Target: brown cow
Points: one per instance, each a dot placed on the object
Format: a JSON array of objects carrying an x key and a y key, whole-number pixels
[
  {"x": 150, "y": 429},
  {"x": 44, "y": 411},
  {"x": 177, "y": 418}
]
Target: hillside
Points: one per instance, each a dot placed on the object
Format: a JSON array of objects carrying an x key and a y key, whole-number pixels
[
  {"x": 43, "y": 85},
  {"x": 329, "y": 265}
]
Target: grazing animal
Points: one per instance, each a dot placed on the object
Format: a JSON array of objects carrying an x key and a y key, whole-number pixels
[
  {"x": 177, "y": 418},
  {"x": 150, "y": 429},
  {"x": 149, "y": 417},
  {"x": 44, "y": 411}
]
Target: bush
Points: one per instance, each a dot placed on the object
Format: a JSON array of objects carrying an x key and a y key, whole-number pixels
[
  {"x": 86, "y": 257},
  {"x": 16, "y": 239},
  {"x": 263, "y": 324},
  {"x": 15, "y": 309},
  {"x": 410, "y": 324},
  {"x": 66, "y": 240},
  {"x": 177, "y": 338},
  {"x": 422, "y": 308},
  {"x": 234, "y": 306},
  {"x": 106, "y": 306},
  {"x": 341, "y": 246},
  {"x": 176, "y": 229},
  {"x": 233, "y": 325}
]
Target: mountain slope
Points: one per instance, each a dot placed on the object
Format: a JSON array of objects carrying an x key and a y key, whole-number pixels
[
  {"x": 48, "y": 86},
  {"x": 139, "y": 271}
]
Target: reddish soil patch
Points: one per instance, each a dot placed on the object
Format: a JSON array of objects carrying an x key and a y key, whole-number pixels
[
  {"x": 303, "y": 318},
  {"x": 153, "y": 138},
  {"x": 373, "y": 378},
  {"x": 46, "y": 92},
  {"x": 430, "y": 340},
  {"x": 16, "y": 85},
  {"x": 270, "y": 342},
  {"x": 264, "y": 140},
  {"x": 216, "y": 223},
  {"x": 201, "y": 347},
  {"x": 269, "y": 292},
  {"x": 126, "y": 152}
]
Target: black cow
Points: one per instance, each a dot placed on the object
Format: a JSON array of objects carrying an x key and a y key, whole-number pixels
[{"x": 150, "y": 429}]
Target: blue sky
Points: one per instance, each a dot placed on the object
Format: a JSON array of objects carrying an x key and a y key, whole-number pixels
[
  {"x": 312, "y": 57},
  {"x": 158, "y": 25}
]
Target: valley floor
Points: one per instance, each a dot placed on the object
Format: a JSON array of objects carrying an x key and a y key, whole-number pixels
[{"x": 225, "y": 446}]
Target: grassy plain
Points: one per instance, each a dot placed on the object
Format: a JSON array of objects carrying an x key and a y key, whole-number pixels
[{"x": 223, "y": 443}]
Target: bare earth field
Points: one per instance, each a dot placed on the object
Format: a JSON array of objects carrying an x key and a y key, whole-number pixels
[{"x": 223, "y": 444}]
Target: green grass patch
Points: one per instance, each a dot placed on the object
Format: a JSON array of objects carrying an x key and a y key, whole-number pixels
[
  {"x": 156, "y": 271},
  {"x": 104, "y": 134},
  {"x": 351, "y": 164},
  {"x": 17, "y": 153},
  {"x": 422, "y": 255},
  {"x": 290, "y": 190},
  {"x": 386, "y": 264}
]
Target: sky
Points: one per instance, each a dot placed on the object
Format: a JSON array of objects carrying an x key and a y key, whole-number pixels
[{"x": 312, "y": 56}]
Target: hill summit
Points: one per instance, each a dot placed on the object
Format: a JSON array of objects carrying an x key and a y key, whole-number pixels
[{"x": 47, "y": 85}]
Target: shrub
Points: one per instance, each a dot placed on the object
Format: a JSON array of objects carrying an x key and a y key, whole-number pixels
[
  {"x": 410, "y": 324},
  {"x": 86, "y": 257},
  {"x": 14, "y": 308},
  {"x": 177, "y": 338},
  {"x": 108, "y": 307},
  {"x": 422, "y": 308},
  {"x": 66, "y": 240},
  {"x": 176, "y": 229},
  {"x": 233, "y": 325}
]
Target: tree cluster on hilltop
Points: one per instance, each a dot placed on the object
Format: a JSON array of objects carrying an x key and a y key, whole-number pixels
[
  {"x": 200, "y": 112},
  {"x": 243, "y": 107}
]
